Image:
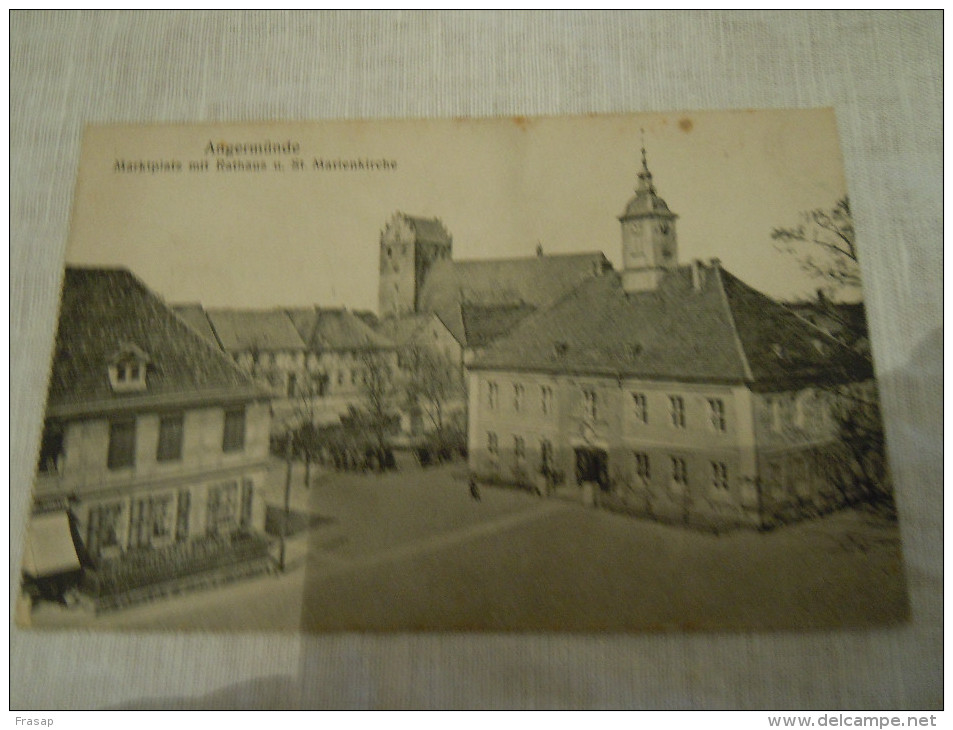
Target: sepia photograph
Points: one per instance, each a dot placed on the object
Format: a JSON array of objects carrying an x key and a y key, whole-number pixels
[{"x": 557, "y": 374}]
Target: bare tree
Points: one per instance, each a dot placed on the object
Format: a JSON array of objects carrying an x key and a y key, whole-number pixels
[
  {"x": 378, "y": 399},
  {"x": 306, "y": 399},
  {"x": 433, "y": 382},
  {"x": 858, "y": 465},
  {"x": 824, "y": 244}
]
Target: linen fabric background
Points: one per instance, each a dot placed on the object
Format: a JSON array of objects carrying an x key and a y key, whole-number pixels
[{"x": 881, "y": 71}]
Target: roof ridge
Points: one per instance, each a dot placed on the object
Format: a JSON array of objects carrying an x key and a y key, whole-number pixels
[
  {"x": 531, "y": 257},
  {"x": 746, "y": 366}
]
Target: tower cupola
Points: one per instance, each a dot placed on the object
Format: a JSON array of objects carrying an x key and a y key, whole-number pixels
[{"x": 649, "y": 244}]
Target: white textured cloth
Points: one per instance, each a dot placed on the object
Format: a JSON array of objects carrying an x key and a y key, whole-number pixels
[{"x": 882, "y": 73}]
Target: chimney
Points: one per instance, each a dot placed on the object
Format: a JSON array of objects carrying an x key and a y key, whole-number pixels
[{"x": 698, "y": 274}]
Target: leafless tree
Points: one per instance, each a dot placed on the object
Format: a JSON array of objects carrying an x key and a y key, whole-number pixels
[
  {"x": 433, "y": 382},
  {"x": 858, "y": 465},
  {"x": 378, "y": 398},
  {"x": 823, "y": 243},
  {"x": 308, "y": 390}
]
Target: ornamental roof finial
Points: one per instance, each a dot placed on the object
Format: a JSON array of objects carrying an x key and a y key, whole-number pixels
[{"x": 645, "y": 177}]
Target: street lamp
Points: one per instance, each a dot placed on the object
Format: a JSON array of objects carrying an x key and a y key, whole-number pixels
[{"x": 287, "y": 513}]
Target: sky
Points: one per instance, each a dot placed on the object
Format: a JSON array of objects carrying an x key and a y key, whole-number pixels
[{"x": 298, "y": 237}]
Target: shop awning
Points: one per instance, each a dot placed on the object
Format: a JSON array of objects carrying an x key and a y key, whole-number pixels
[{"x": 49, "y": 546}]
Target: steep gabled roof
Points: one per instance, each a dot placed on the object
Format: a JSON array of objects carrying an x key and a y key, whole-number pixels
[
  {"x": 194, "y": 316},
  {"x": 483, "y": 323},
  {"x": 402, "y": 330},
  {"x": 335, "y": 330},
  {"x": 260, "y": 329},
  {"x": 721, "y": 331},
  {"x": 408, "y": 328},
  {"x": 532, "y": 281},
  {"x": 105, "y": 310}
]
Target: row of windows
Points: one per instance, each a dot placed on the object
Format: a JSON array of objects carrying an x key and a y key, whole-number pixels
[
  {"x": 804, "y": 410},
  {"x": 591, "y": 406},
  {"x": 678, "y": 471},
  {"x": 122, "y": 438},
  {"x": 676, "y": 411},
  {"x": 519, "y": 449},
  {"x": 519, "y": 398},
  {"x": 678, "y": 467},
  {"x": 159, "y": 519}
]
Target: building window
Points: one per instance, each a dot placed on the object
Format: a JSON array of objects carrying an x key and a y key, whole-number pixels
[
  {"x": 492, "y": 444},
  {"x": 546, "y": 394},
  {"x": 716, "y": 413},
  {"x": 492, "y": 396},
  {"x": 518, "y": 391},
  {"x": 51, "y": 447},
  {"x": 589, "y": 407},
  {"x": 127, "y": 369},
  {"x": 292, "y": 384},
  {"x": 222, "y": 509},
  {"x": 546, "y": 456},
  {"x": 519, "y": 448},
  {"x": 122, "y": 444},
  {"x": 171, "y": 430},
  {"x": 679, "y": 472},
  {"x": 152, "y": 521},
  {"x": 105, "y": 527},
  {"x": 719, "y": 476},
  {"x": 640, "y": 407},
  {"x": 677, "y": 410},
  {"x": 234, "y": 436},
  {"x": 182, "y": 514},
  {"x": 642, "y": 467},
  {"x": 248, "y": 493},
  {"x": 775, "y": 413}
]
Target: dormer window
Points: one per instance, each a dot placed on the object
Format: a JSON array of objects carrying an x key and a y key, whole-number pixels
[{"x": 127, "y": 369}]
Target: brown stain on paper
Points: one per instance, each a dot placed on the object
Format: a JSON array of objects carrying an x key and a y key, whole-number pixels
[{"x": 685, "y": 124}]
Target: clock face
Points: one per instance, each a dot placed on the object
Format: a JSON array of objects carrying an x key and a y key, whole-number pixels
[{"x": 635, "y": 227}]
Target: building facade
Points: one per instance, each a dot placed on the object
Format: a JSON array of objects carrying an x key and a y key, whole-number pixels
[
  {"x": 670, "y": 390},
  {"x": 154, "y": 445},
  {"x": 312, "y": 359}
]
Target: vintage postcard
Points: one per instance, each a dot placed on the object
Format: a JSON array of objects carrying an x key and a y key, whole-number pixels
[{"x": 559, "y": 374}]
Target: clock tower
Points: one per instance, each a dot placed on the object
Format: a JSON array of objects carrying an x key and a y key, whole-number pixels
[{"x": 649, "y": 245}]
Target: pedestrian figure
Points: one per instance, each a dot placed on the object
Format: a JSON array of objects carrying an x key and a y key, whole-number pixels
[{"x": 474, "y": 489}]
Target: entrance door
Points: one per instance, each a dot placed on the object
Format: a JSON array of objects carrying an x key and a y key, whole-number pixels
[{"x": 592, "y": 465}]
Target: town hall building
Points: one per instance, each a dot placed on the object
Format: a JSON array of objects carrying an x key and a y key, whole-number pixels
[{"x": 668, "y": 389}]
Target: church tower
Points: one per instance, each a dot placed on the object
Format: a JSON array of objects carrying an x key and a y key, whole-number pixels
[
  {"x": 409, "y": 247},
  {"x": 649, "y": 245}
]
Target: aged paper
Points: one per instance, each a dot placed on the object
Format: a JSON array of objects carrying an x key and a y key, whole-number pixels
[{"x": 561, "y": 374}]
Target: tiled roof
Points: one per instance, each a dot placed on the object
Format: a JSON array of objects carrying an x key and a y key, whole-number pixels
[
  {"x": 402, "y": 330},
  {"x": 483, "y": 323},
  {"x": 261, "y": 329},
  {"x": 405, "y": 329},
  {"x": 536, "y": 281},
  {"x": 722, "y": 331},
  {"x": 105, "y": 310},
  {"x": 335, "y": 329},
  {"x": 194, "y": 316},
  {"x": 367, "y": 317}
]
